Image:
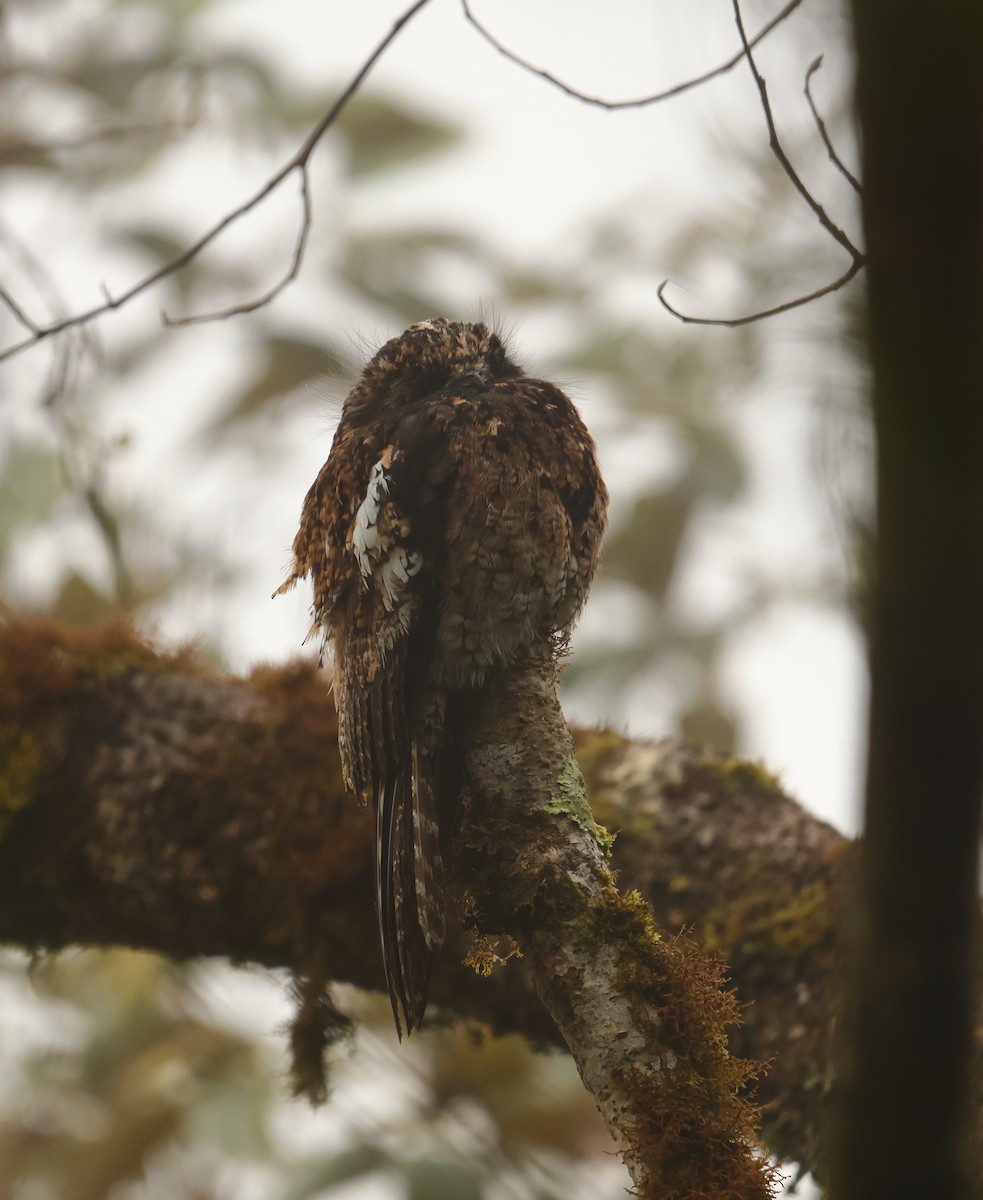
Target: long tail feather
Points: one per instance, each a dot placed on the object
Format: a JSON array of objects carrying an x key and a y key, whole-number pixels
[
  {"x": 409, "y": 888},
  {"x": 428, "y": 867}
]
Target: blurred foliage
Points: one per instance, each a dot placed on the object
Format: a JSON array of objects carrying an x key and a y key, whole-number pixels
[
  {"x": 117, "y": 1081},
  {"x": 382, "y": 134},
  {"x": 130, "y": 1071},
  {"x": 287, "y": 363},
  {"x": 140, "y": 1093}
]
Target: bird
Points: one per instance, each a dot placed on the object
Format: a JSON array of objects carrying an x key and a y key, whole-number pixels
[{"x": 453, "y": 531}]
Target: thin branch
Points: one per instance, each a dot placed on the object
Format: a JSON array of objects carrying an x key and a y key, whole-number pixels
[
  {"x": 108, "y": 526},
  {"x": 778, "y": 150},
  {"x": 857, "y": 259},
  {"x": 65, "y": 362},
  {"x": 749, "y": 318},
  {"x": 298, "y": 162},
  {"x": 824, "y": 134},
  {"x": 297, "y": 258},
  {"x": 16, "y": 309},
  {"x": 676, "y": 90}
]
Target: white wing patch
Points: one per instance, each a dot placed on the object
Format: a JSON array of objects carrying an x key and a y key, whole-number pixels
[
  {"x": 380, "y": 558},
  {"x": 366, "y": 542},
  {"x": 395, "y": 573}
]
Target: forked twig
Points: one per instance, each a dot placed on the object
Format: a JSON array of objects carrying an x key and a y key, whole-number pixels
[
  {"x": 835, "y": 159},
  {"x": 292, "y": 271},
  {"x": 63, "y": 369},
  {"x": 19, "y": 314},
  {"x": 298, "y": 162},
  {"x": 835, "y": 232},
  {"x": 749, "y": 318}
]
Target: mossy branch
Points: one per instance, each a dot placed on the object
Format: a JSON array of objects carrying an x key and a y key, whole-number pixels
[
  {"x": 644, "y": 1019},
  {"x": 155, "y": 804}
]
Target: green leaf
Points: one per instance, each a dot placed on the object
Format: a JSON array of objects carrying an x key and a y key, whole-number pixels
[
  {"x": 717, "y": 470},
  {"x": 233, "y": 1112},
  {"x": 383, "y": 133},
  {"x": 391, "y": 269},
  {"x": 160, "y": 244},
  {"x": 339, "y": 1168},
  {"x": 31, "y": 481},
  {"x": 706, "y": 724},
  {"x": 527, "y": 286},
  {"x": 112, "y": 77},
  {"x": 431, "y": 1179}
]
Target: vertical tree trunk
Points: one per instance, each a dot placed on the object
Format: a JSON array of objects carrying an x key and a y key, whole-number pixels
[{"x": 907, "y": 1032}]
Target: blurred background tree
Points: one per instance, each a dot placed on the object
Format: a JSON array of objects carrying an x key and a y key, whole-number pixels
[{"x": 157, "y": 473}]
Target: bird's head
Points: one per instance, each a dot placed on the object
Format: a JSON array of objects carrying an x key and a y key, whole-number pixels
[{"x": 427, "y": 357}]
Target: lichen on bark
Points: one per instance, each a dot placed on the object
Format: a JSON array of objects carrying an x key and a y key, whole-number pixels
[{"x": 570, "y": 800}]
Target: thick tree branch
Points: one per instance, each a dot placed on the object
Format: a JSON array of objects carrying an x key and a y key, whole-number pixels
[
  {"x": 145, "y": 802},
  {"x": 645, "y": 1019}
]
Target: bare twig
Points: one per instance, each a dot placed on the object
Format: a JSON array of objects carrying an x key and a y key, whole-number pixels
[
  {"x": 835, "y": 232},
  {"x": 778, "y": 150},
  {"x": 249, "y": 306},
  {"x": 823, "y": 133},
  {"x": 16, "y": 309},
  {"x": 749, "y": 318},
  {"x": 66, "y": 356},
  {"x": 641, "y": 101},
  {"x": 298, "y": 162}
]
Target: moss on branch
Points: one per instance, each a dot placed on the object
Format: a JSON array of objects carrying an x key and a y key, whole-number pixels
[{"x": 169, "y": 808}]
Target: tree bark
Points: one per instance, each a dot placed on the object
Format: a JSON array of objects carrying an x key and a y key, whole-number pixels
[
  {"x": 906, "y": 1067},
  {"x": 645, "y": 1019}
]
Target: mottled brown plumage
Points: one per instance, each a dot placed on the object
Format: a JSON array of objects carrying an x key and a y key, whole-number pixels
[{"x": 454, "y": 528}]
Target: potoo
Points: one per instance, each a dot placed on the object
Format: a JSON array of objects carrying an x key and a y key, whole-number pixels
[{"x": 454, "y": 529}]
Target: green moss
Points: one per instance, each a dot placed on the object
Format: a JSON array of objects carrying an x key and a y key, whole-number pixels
[
  {"x": 761, "y": 920},
  {"x": 691, "y": 1090},
  {"x": 803, "y": 922},
  {"x": 20, "y": 766},
  {"x": 596, "y": 747},
  {"x": 570, "y": 800},
  {"x": 627, "y": 918},
  {"x": 742, "y": 774}
]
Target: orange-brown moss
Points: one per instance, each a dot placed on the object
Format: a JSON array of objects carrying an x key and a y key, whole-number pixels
[
  {"x": 486, "y": 953},
  {"x": 42, "y": 660},
  {"x": 698, "y": 1111}
]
